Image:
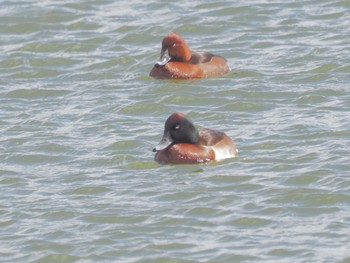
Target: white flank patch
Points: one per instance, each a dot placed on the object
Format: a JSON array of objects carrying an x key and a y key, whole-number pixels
[{"x": 221, "y": 154}]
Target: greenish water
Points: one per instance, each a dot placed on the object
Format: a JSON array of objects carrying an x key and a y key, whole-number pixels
[{"x": 79, "y": 117}]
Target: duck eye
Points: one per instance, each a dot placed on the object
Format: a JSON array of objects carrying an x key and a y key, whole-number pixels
[{"x": 177, "y": 127}]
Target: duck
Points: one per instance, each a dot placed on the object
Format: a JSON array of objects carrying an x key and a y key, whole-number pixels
[
  {"x": 184, "y": 143},
  {"x": 177, "y": 61}
]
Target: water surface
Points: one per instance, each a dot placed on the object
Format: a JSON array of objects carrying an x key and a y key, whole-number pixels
[{"x": 79, "y": 117}]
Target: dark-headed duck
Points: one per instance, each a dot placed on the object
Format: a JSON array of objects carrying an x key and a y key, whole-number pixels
[
  {"x": 184, "y": 143},
  {"x": 179, "y": 62}
]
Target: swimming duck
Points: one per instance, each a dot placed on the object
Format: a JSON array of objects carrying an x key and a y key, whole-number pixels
[
  {"x": 179, "y": 62},
  {"x": 184, "y": 143}
]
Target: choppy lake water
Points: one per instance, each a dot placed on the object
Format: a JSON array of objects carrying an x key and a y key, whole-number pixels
[{"x": 79, "y": 117}]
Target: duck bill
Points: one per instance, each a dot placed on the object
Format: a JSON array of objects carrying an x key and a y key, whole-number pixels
[
  {"x": 164, "y": 58},
  {"x": 165, "y": 142}
]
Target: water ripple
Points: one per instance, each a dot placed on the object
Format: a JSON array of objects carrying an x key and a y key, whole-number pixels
[{"x": 79, "y": 118}]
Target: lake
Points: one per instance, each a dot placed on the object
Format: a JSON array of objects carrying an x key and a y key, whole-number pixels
[{"x": 79, "y": 117}]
